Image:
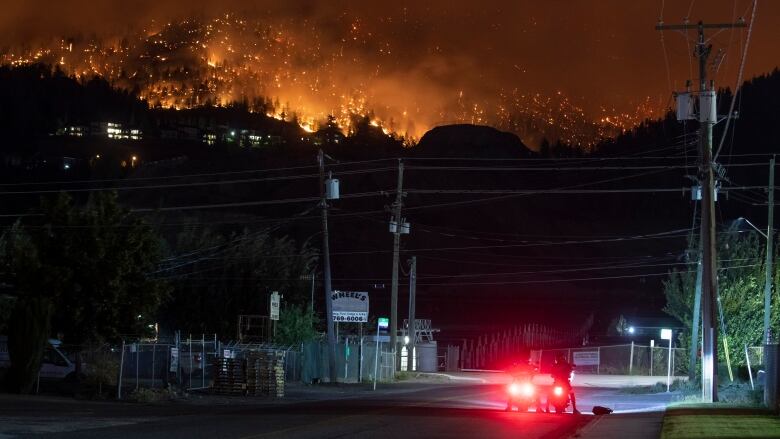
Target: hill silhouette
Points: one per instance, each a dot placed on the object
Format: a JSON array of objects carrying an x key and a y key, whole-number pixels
[{"x": 465, "y": 141}]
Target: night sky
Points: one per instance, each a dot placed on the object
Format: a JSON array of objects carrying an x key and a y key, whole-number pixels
[{"x": 422, "y": 64}]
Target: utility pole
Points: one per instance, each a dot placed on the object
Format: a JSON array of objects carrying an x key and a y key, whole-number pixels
[
  {"x": 326, "y": 272},
  {"x": 396, "y": 251},
  {"x": 696, "y": 323},
  {"x": 769, "y": 250},
  {"x": 707, "y": 118},
  {"x": 412, "y": 309}
]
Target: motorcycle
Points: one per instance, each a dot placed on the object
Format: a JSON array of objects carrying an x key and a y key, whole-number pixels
[
  {"x": 521, "y": 394},
  {"x": 559, "y": 397}
]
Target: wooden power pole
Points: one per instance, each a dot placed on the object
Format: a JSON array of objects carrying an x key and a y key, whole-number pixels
[
  {"x": 769, "y": 251},
  {"x": 396, "y": 252},
  {"x": 326, "y": 280},
  {"x": 709, "y": 292}
]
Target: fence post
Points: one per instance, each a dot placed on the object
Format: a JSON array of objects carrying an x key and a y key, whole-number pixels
[
  {"x": 346, "y": 358},
  {"x": 154, "y": 351},
  {"x": 360, "y": 349},
  {"x": 202, "y": 361},
  {"x": 137, "y": 362},
  {"x": 121, "y": 367},
  {"x": 376, "y": 358},
  {"x": 598, "y": 366},
  {"x": 631, "y": 360},
  {"x": 189, "y": 379},
  {"x": 651, "y": 357}
]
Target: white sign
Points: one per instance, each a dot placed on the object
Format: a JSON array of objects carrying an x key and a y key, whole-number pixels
[
  {"x": 350, "y": 306},
  {"x": 274, "y": 312},
  {"x": 350, "y": 317},
  {"x": 586, "y": 358},
  {"x": 174, "y": 359},
  {"x": 666, "y": 334}
]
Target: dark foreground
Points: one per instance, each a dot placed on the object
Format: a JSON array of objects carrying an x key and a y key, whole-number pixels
[{"x": 408, "y": 411}]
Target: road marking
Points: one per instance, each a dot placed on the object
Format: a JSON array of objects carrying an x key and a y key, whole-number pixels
[{"x": 342, "y": 418}]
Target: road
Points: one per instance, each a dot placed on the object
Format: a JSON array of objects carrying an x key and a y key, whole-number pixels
[{"x": 408, "y": 410}]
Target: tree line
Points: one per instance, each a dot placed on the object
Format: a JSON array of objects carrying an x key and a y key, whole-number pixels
[{"x": 92, "y": 272}]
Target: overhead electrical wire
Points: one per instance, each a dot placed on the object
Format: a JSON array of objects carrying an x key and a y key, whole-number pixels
[
  {"x": 211, "y": 174},
  {"x": 190, "y": 184},
  {"x": 739, "y": 80}
]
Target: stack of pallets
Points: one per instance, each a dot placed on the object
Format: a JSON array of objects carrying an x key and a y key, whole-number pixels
[
  {"x": 265, "y": 373},
  {"x": 230, "y": 376}
]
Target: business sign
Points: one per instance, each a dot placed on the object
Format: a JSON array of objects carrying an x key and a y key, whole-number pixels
[
  {"x": 350, "y": 306},
  {"x": 383, "y": 323},
  {"x": 666, "y": 334},
  {"x": 274, "y": 311},
  {"x": 586, "y": 358}
]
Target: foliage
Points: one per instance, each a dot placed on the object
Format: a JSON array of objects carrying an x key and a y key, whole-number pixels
[
  {"x": 103, "y": 370},
  {"x": 144, "y": 395},
  {"x": 27, "y": 338},
  {"x": 296, "y": 325},
  {"x": 93, "y": 264},
  {"x": 741, "y": 289},
  {"x": 220, "y": 275}
]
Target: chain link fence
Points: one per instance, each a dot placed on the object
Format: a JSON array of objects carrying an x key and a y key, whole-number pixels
[
  {"x": 628, "y": 359},
  {"x": 356, "y": 361},
  {"x": 632, "y": 359}
]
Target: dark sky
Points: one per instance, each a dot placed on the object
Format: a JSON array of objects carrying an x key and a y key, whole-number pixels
[{"x": 601, "y": 53}]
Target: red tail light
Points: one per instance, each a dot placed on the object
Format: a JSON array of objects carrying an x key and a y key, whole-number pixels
[
  {"x": 528, "y": 389},
  {"x": 558, "y": 390},
  {"x": 514, "y": 389}
]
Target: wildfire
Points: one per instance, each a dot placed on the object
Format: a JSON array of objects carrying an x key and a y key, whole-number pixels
[{"x": 287, "y": 71}]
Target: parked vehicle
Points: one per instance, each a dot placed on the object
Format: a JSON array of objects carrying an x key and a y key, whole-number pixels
[{"x": 54, "y": 365}]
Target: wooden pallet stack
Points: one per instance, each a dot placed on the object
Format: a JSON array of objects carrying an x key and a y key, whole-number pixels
[
  {"x": 265, "y": 373},
  {"x": 230, "y": 376}
]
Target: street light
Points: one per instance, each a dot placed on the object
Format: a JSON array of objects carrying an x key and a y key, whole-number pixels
[
  {"x": 631, "y": 330},
  {"x": 743, "y": 219}
]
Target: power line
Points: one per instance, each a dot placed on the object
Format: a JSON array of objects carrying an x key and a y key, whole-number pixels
[
  {"x": 739, "y": 80},
  {"x": 211, "y": 174},
  {"x": 556, "y": 168},
  {"x": 681, "y": 190},
  {"x": 545, "y": 281},
  {"x": 187, "y": 185}
]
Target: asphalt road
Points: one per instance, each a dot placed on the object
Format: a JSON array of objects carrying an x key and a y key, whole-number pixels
[{"x": 414, "y": 410}]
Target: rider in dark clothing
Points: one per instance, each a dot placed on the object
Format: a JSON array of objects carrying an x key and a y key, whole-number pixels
[{"x": 561, "y": 373}]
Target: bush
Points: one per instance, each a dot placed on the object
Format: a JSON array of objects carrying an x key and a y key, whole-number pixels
[
  {"x": 102, "y": 370},
  {"x": 740, "y": 393}
]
